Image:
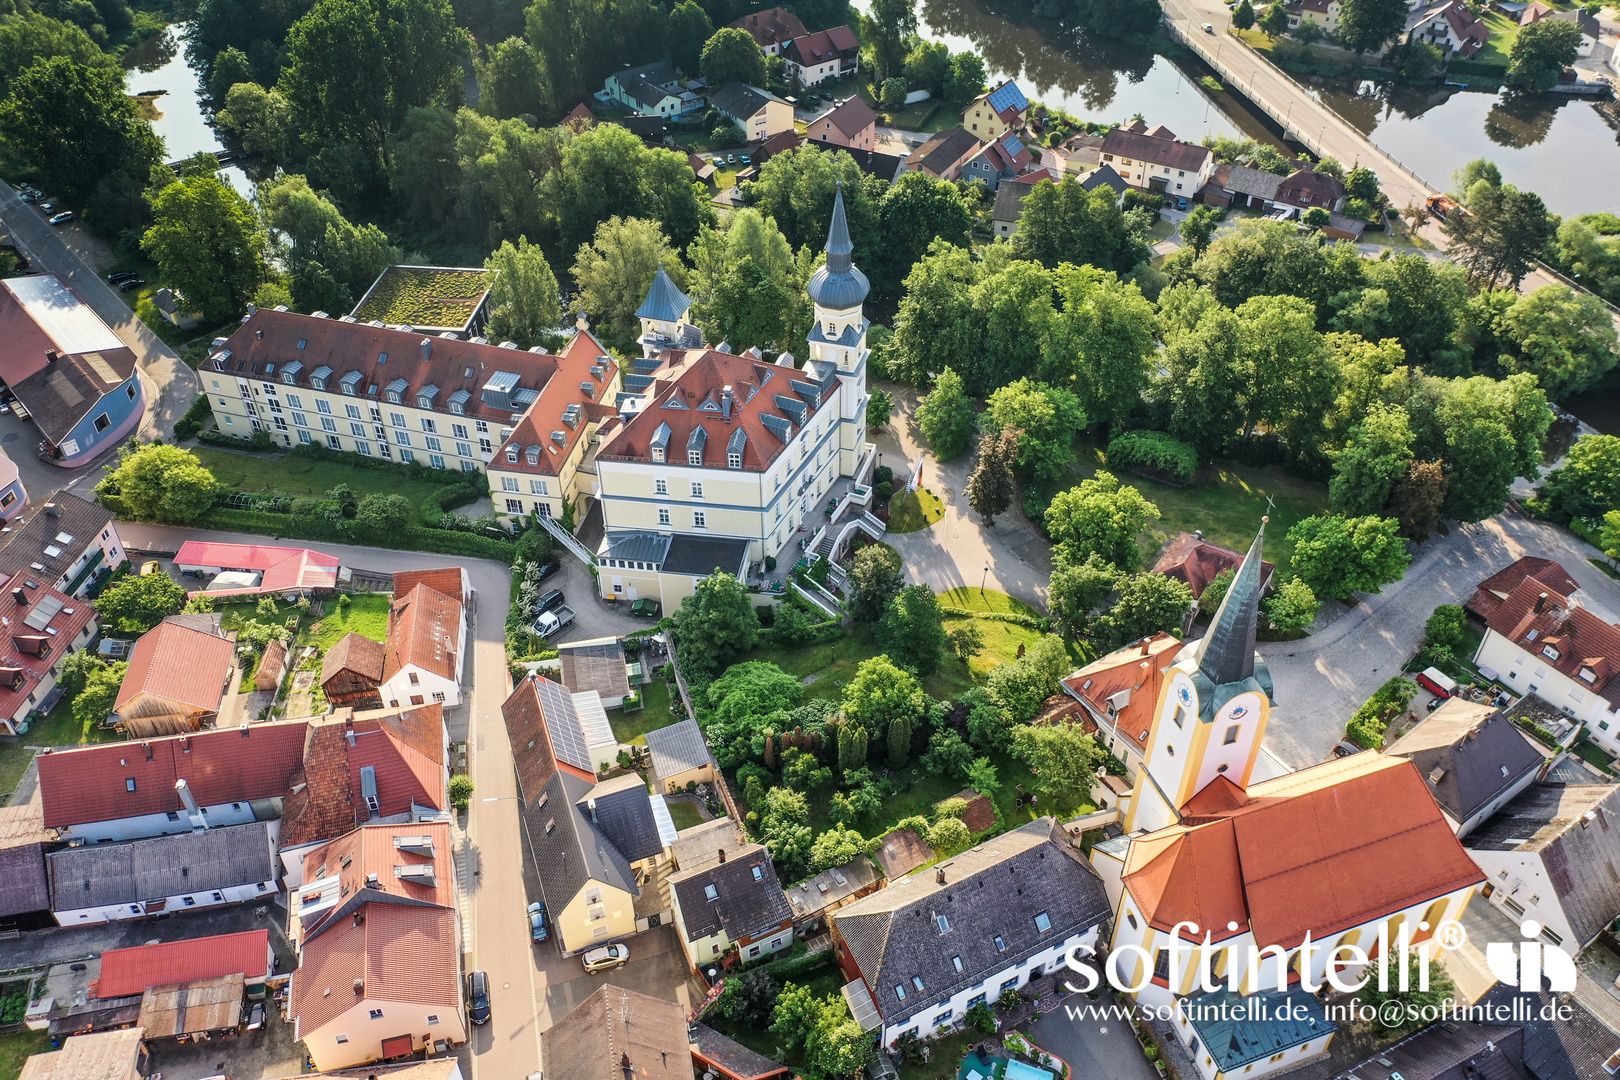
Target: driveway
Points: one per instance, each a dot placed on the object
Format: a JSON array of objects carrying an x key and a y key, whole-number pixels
[{"x": 1096, "y": 1045}]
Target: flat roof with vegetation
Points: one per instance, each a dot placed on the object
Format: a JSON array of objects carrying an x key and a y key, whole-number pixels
[{"x": 426, "y": 297}]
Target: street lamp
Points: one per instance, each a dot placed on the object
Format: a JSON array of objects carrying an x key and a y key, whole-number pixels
[{"x": 983, "y": 579}]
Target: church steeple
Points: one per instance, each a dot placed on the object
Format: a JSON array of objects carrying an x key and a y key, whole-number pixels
[
  {"x": 839, "y": 285},
  {"x": 1226, "y": 653}
]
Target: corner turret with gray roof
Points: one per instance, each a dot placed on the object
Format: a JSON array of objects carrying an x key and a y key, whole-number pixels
[
  {"x": 838, "y": 284},
  {"x": 664, "y": 301}
]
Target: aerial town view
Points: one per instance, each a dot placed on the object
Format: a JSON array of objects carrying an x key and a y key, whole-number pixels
[{"x": 850, "y": 540}]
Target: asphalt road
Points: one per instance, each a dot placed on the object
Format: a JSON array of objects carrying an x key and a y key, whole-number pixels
[{"x": 170, "y": 384}]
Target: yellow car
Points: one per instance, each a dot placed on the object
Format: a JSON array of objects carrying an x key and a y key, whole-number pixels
[{"x": 152, "y": 566}]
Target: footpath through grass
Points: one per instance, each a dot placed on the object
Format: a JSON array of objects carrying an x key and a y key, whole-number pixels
[{"x": 308, "y": 478}]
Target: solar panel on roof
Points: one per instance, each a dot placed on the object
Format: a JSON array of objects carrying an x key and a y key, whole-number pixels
[
  {"x": 44, "y": 610},
  {"x": 567, "y": 740}
]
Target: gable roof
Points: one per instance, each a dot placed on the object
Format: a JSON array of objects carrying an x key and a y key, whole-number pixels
[
  {"x": 677, "y": 748},
  {"x": 1122, "y": 688},
  {"x": 1145, "y": 146},
  {"x": 443, "y": 579},
  {"x": 1105, "y": 176},
  {"x": 885, "y": 167},
  {"x": 980, "y": 813},
  {"x": 569, "y": 850},
  {"x": 100, "y": 1055},
  {"x": 917, "y": 928},
  {"x": 1010, "y": 196},
  {"x": 943, "y": 150},
  {"x": 850, "y": 116},
  {"x": 24, "y": 885},
  {"x": 178, "y": 663},
  {"x": 1467, "y": 754},
  {"x": 1537, "y": 617},
  {"x": 385, "y": 850},
  {"x": 1007, "y": 100},
  {"x": 621, "y": 810},
  {"x": 397, "y": 754},
  {"x": 29, "y": 537},
  {"x": 748, "y": 902},
  {"x": 1196, "y": 562},
  {"x": 354, "y": 653},
  {"x": 1491, "y": 592},
  {"x": 395, "y": 953},
  {"x": 424, "y": 628},
  {"x": 822, "y": 47},
  {"x": 617, "y": 1033},
  {"x": 60, "y": 358},
  {"x": 92, "y": 783},
  {"x": 1559, "y": 1044},
  {"x": 1311, "y": 188},
  {"x": 101, "y": 875},
  {"x": 1308, "y": 851},
  {"x": 1457, "y": 1050},
  {"x": 1255, "y": 183},
  {"x": 773, "y": 26},
  {"x": 130, "y": 971},
  {"x": 284, "y": 568},
  {"x": 741, "y": 101},
  {"x": 534, "y": 747},
  {"x": 902, "y": 851}
]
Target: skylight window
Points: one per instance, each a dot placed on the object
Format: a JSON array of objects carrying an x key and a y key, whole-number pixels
[{"x": 1043, "y": 922}]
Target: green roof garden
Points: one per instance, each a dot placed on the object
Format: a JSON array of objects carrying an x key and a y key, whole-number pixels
[{"x": 435, "y": 298}]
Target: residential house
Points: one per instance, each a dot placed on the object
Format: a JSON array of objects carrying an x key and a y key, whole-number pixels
[
  {"x": 1543, "y": 641},
  {"x": 945, "y": 154},
  {"x": 25, "y": 890},
  {"x": 102, "y": 1055},
  {"x": 70, "y": 543},
  {"x": 1077, "y": 155},
  {"x": 543, "y": 465},
  {"x": 407, "y": 863},
  {"x": 734, "y": 902},
  {"x": 1255, "y": 865},
  {"x": 814, "y": 898},
  {"x": 850, "y": 124},
  {"x": 702, "y": 170},
  {"x": 1449, "y": 26},
  {"x": 597, "y": 666},
  {"x": 70, "y": 371},
  {"x": 1120, "y": 694},
  {"x": 155, "y": 787},
  {"x": 1155, "y": 160},
  {"x": 1591, "y": 29},
  {"x": 1494, "y": 590},
  {"x": 445, "y": 402},
  {"x": 772, "y": 28},
  {"x": 757, "y": 113},
  {"x": 561, "y": 728},
  {"x": 701, "y": 844},
  {"x": 723, "y": 1056},
  {"x": 922, "y": 952},
  {"x": 42, "y": 628},
  {"x": 812, "y": 59},
  {"x": 178, "y": 673},
  {"x": 1473, "y": 758},
  {"x": 381, "y": 985},
  {"x": 1001, "y": 159},
  {"x": 1195, "y": 562},
  {"x": 1552, "y": 855},
  {"x": 1252, "y": 189},
  {"x": 1009, "y": 205},
  {"x": 1308, "y": 189},
  {"x": 259, "y": 569},
  {"x": 1568, "y": 1043},
  {"x": 1324, "y": 13},
  {"x": 679, "y": 756},
  {"x": 385, "y": 766},
  {"x": 651, "y": 90},
  {"x": 111, "y": 881},
  {"x": 452, "y": 581},
  {"x": 425, "y": 650},
  {"x": 247, "y": 954},
  {"x": 991, "y": 115},
  {"x": 717, "y": 460},
  {"x": 886, "y": 167},
  {"x": 617, "y": 1033},
  {"x": 1104, "y": 177},
  {"x": 175, "y": 308},
  {"x": 13, "y": 496},
  {"x": 351, "y": 671}
]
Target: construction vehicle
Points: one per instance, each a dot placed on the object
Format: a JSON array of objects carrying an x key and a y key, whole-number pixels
[{"x": 1443, "y": 206}]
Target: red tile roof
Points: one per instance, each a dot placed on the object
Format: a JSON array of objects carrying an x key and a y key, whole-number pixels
[
  {"x": 1579, "y": 640},
  {"x": 28, "y": 653},
  {"x": 1141, "y": 146},
  {"x": 774, "y": 26},
  {"x": 370, "y": 850},
  {"x": 687, "y": 393},
  {"x": 1495, "y": 589},
  {"x": 177, "y": 663},
  {"x": 353, "y": 653},
  {"x": 822, "y": 47},
  {"x": 1197, "y": 562},
  {"x": 1138, "y": 668},
  {"x": 1307, "y": 188},
  {"x": 852, "y": 116},
  {"x": 446, "y": 580},
  {"x": 396, "y": 952},
  {"x": 532, "y": 751},
  {"x": 88, "y": 783},
  {"x": 1309, "y": 851},
  {"x": 424, "y": 629},
  {"x": 260, "y": 557},
  {"x": 403, "y": 747},
  {"x": 131, "y": 971},
  {"x": 543, "y": 422}
]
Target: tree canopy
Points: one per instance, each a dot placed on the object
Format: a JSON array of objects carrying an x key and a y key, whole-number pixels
[{"x": 160, "y": 483}]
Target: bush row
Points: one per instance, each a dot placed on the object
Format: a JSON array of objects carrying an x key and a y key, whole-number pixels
[
  {"x": 195, "y": 420},
  {"x": 412, "y": 538},
  {"x": 1366, "y": 728},
  {"x": 1153, "y": 450},
  {"x": 1034, "y": 622}
]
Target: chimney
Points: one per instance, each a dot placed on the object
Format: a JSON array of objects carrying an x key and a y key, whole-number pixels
[
  {"x": 590, "y": 804},
  {"x": 20, "y": 596},
  {"x": 359, "y": 984},
  {"x": 259, "y": 334},
  {"x": 50, "y": 356},
  {"x": 1198, "y": 533},
  {"x": 427, "y": 349},
  {"x": 725, "y": 402},
  {"x": 349, "y": 734},
  {"x": 183, "y": 789},
  {"x": 939, "y": 876},
  {"x": 52, "y": 510},
  {"x": 1146, "y": 646},
  {"x": 372, "y": 881},
  {"x": 722, "y": 854},
  {"x": 1541, "y": 602}
]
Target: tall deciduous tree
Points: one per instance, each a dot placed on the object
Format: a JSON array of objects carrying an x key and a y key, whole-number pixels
[
  {"x": 1378, "y": 454},
  {"x": 881, "y": 693},
  {"x": 607, "y": 172},
  {"x": 1064, "y": 759},
  {"x": 1147, "y": 604},
  {"x": 876, "y": 577},
  {"x": 1368, "y": 25},
  {"x": 136, "y": 604},
  {"x": 1587, "y": 484},
  {"x": 616, "y": 269},
  {"x": 731, "y": 55},
  {"x": 332, "y": 261},
  {"x": 1066, "y": 223},
  {"x": 911, "y": 632},
  {"x": 1076, "y": 589},
  {"x": 1292, "y": 607},
  {"x": 524, "y": 302},
  {"x": 1102, "y": 340},
  {"x": 1541, "y": 52},
  {"x": 689, "y": 30},
  {"x": 946, "y": 416},
  {"x": 1417, "y": 499},
  {"x": 205, "y": 239},
  {"x": 263, "y": 121},
  {"x": 1337, "y": 556},
  {"x": 1046, "y": 418},
  {"x": 990, "y": 488},
  {"x": 917, "y": 210},
  {"x": 889, "y": 26},
  {"x": 715, "y": 623},
  {"x": 1100, "y": 516},
  {"x": 1204, "y": 382},
  {"x": 1504, "y": 229},
  {"x": 797, "y": 189},
  {"x": 161, "y": 483},
  {"x": 512, "y": 82},
  {"x": 1294, "y": 376},
  {"x": 1565, "y": 339},
  {"x": 1487, "y": 431}
]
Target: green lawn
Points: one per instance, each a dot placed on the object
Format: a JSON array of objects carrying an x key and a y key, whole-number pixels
[
  {"x": 910, "y": 511},
  {"x": 1504, "y": 31},
  {"x": 942, "y": 1061},
  {"x": 16, "y": 1048},
  {"x": 632, "y": 727},
  {"x": 684, "y": 814},
  {"x": 835, "y": 663},
  {"x": 966, "y": 596},
  {"x": 1227, "y": 509},
  {"x": 307, "y": 478},
  {"x": 365, "y": 614},
  {"x": 57, "y": 729}
]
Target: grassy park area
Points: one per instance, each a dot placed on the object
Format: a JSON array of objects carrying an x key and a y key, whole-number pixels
[{"x": 307, "y": 477}]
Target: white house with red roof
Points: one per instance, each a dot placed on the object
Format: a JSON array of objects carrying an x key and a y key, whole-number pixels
[
  {"x": 714, "y": 460},
  {"x": 1153, "y": 159},
  {"x": 426, "y": 648},
  {"x": 39, "y": 628},
  {"x": 826, "y": 54},
  {"x": 284, "y": 571}
]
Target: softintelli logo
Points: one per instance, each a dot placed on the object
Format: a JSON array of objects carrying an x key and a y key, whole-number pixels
[{"x": 1524, "y": 964}]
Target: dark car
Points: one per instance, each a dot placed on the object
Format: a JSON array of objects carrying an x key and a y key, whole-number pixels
[
  {"x": 132, "y": 283},
  {"x": 549, "y": 600},
  {"x": 478, "y": 997},
  {"x": 122, "y": 275},
  {"x": 538, "y": 931},
  {"x": 549, "y": 568}
]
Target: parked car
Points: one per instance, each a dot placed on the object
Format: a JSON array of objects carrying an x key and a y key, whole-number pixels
[
  {"x": 731, "y": 159},
  {"x": 478, "y": 997},
  {"x": 606, "y": 958},
  {"x": 121, "y": 275},
  {"x": 549, "y": 568},
  {"x": 1181, "y": 204},
  {"x": 547, "y": 601},
  {"x": 47, "y": 208},
  {"x": 150, "y": 567},
  {"x": 30, "y": 194},
  {"x": 1209, "y": 28},
  {"x": 62, "y": 219},
  {"x": 132, "y": 283},
  {"x": 538, "y": 931},
  {"x": 1436, "y": 682},
  {"x": 256, "y": 1017},
  {"x": 744, "y": 159}
]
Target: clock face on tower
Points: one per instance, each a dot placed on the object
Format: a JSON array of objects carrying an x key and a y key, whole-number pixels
[{"x": 1185, "y": 694}]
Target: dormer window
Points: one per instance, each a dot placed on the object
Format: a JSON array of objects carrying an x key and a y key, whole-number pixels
[
  {"x": 733, "y": 461},
  {"x": 1588, "y": 675},
  {"x": 658, "y": 454},
  {"x": 694, "y": 457},
  {"x": 511, "y": 455},
  {"x": 1550, "y": 652}
]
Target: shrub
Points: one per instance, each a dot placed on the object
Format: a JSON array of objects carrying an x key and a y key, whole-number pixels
[
  {"x": 1366, "y": 728},
  {"x": 461, "y": 790},
  {"x": 195, "y": 420},
  {"x": 1446, "y": 627},
  {"x": 1153, "y": 450}
]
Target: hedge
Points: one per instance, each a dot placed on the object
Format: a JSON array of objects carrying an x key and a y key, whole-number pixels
[
  {"x": 1366, "y": 728},
  {"x": 1154, "y": 450},
  {"x": 411, "y": 538},
  {"x": 1034, "y": 622},
  {"x": 195, "y": 419}
]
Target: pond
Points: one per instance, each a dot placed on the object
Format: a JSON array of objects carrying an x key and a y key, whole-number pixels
[{"x": 159, "y": 64}]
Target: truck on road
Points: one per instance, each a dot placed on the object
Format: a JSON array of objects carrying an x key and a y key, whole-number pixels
[{"x": 554, "y": 620}]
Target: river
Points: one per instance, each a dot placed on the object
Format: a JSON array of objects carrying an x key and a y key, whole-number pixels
[{"x": 160, "y": 64}]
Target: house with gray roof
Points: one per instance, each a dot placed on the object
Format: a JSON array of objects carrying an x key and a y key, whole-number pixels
[
  {"x": 1552, "y": 855},
  {"x": 734, "y": 902},
  {"x": 617, "y": 1033},
  {"x": 1253, "y": 188},
  {"x": 1473, "y": 758},
  {"x": 922, "y": 952},
  {"x": 25, "y": 890},
  {"x": 679, "y": 755},
  {"x": 759, "y": 113},
  {"x": 106, "y": 882},
  {"x": 652, "y": 90}
]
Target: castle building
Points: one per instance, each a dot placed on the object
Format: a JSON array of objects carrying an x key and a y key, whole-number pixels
[{"x": 715, "y": 460}]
